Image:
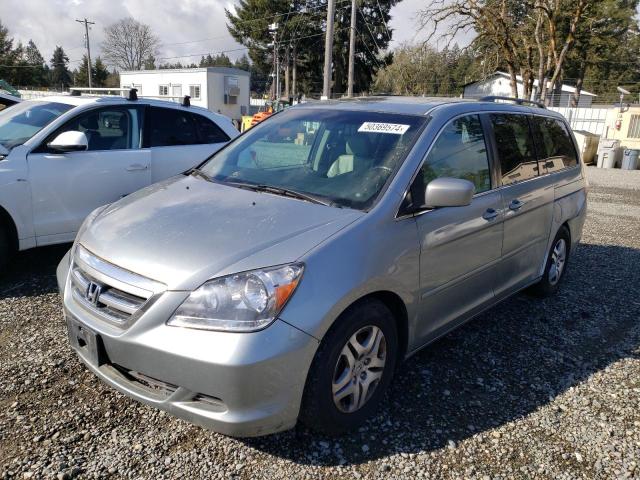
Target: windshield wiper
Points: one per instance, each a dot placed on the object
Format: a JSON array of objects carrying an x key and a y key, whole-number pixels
[
  {"x": 198, "y": 173},
  {"x": 285, "y": 192}
]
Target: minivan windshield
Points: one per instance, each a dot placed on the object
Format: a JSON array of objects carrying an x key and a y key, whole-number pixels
[
  {"x": 342, "y": 157},
  {"x": 22, "y": 121}
]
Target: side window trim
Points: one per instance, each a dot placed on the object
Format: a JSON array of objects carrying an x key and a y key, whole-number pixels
[
  {"x": 495, "y": 146},
  {"x": 401, "y": 213},
  {"x": 492, "y": 151},
  {"x": 42, "y": 147},
  {"x": 538, "y": 138}
]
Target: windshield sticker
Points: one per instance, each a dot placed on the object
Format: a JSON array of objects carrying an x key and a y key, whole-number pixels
[{"x": 394, "y": 128}]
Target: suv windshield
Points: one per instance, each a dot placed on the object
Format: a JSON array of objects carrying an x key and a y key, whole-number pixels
[
  {"x": 344, "y": 157},
  {"x": 22, "y": 121}
]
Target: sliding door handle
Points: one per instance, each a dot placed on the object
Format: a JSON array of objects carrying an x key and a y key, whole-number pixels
[
  {"x": 515, "y": 205},
  {"x": 490, "y": 214}
]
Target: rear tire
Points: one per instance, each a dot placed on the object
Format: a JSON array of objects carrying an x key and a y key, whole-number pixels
[
  {"x": 556, "y": 266},
  {"x": 352, "y": 369}
]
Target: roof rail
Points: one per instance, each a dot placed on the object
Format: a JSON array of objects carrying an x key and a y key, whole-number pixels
[
  {"x": 519, "y": 101},
  {"x": 186, "y": 101}
]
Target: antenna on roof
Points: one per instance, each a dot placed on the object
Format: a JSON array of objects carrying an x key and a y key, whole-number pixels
[
  {"x": 133, "y": 94},
  {"x": 75, "y": 93},
  {"x": 186, "y": 102}
]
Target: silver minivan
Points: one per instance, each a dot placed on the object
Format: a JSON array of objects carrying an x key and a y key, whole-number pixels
[{"x": 288, "y": 276}]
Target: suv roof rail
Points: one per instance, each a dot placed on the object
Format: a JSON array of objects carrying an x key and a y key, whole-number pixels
[
  {"x": 132, "y": 94},
  {"x": 519, "y": 101}
]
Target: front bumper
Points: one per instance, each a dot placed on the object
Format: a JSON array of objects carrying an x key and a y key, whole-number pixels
[{"x": 239, "y": 384}]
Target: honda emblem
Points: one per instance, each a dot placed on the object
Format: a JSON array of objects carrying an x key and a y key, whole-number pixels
[{"x": 92, "y": 293}]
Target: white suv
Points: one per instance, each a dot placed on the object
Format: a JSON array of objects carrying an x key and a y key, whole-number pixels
[{"x": 63, "y": 156}]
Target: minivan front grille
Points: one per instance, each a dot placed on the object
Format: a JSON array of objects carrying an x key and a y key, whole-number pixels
[{"x": 107, "y": 291}]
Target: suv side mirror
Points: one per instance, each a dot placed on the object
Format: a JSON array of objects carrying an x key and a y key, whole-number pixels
[
  {"x": 448, "y": 192},
  {"x": 3, "y": 151},
  {"x": 71, "y": 141}
]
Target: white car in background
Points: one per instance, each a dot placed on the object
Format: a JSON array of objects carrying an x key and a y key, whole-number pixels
[
  {"x": 7, "y": 100},
  {"x": 63, "y": 156}
]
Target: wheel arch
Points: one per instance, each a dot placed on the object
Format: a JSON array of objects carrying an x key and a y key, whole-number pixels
[
  {"x": 6, "y": 221},
  {"x": 398, "y": 309}
]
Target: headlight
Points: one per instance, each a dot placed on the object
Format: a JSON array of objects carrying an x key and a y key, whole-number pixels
[{"x": 243, "y": 302}]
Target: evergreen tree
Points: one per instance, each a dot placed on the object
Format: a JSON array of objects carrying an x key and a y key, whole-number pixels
[
  {"x": 300, "y": 40},
  {"x": 100, "y": 73},
  {"x": 243, "y": 63},
  {"x": 60, "y": 74},
  {"x": 39, "y": 71}
]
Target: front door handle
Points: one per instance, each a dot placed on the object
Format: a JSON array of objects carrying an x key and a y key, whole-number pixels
[
  {"x": 490, "y": 214},
  {"x": 515, "y": 205},
  {"x": 136, "y": 166}
]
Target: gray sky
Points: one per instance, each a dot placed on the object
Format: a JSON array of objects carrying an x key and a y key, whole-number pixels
[{"x": 184, "y": 27}]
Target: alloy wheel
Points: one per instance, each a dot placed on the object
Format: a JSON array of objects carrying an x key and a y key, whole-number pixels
[
  {"x": 558, "y": 260},
  {"x": 359, "y": 369}
]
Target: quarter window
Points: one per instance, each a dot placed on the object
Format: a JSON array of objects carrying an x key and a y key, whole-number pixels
[
  {"x": 209, "y": 131},
  {"x": 555, "y": 147},
  {"x": 515, "y": 148},
  {"x": 169, "y": 127},
  {"x": 460, "y": 152}
]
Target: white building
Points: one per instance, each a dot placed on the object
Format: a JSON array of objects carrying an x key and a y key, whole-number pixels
[
  {"x": 220, "y": 89},
  {"x": 499, "y": 84}
]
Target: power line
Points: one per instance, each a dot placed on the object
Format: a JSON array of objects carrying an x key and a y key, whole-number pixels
[
  {"x": 370, "y": 32},
  {"x": 384, "y": 22}
]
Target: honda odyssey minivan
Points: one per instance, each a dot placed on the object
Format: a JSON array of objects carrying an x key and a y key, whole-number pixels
[{"x": 286, "y": 277}]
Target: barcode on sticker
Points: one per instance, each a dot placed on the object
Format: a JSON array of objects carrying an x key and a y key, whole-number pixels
[{"x": 394, "y": 128}]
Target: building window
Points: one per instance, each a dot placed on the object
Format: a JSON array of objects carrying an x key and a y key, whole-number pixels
[
  {"x": 194, "y": 92},
  {"x": 634, "y": 127},
  {"x": 163, "y": 90}
]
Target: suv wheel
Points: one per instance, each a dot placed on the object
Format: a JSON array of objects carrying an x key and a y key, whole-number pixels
[
  {"x": 556, "y": 265},
  {"x": 352, "y": 369}
]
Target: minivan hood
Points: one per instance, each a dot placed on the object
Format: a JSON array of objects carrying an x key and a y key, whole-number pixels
[{"x": 186, "y": 230}]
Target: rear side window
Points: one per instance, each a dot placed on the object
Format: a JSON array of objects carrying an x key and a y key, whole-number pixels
[
  {"x": 555, "y": 147},
  {"x": 460, "y": 152},
  {"x": 209, "y": 131},
  {"x": 515, "y": 148},
  {"x": 170, "y": 127}
]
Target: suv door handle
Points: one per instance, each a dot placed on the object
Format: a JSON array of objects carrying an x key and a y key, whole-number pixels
[
  {"x": 136, "y": 166},
  {"x": 515, "y": 205},
  {"x": 490, "y": 214}
]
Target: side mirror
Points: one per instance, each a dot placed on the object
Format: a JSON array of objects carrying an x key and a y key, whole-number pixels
[
  {"x": 71, "y": 141},
  {"x": 4, "y": 151},
  {"x": 448, "y": 192}
]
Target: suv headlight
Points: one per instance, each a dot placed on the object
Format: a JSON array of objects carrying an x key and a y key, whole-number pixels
[{"x": 242, "y": 302}]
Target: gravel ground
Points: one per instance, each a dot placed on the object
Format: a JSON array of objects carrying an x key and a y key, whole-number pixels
[{"x": 545, "y": 389}]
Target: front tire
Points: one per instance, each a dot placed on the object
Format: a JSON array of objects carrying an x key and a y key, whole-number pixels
[
  {"x": 556, "y": 266},
  {"x": 352, "y": 369},
  {"x": 5, "y": 249}
]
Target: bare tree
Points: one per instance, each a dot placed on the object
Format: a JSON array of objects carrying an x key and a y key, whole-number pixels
[
  {"x": 526, "y": 33},
  {"x": 128, "y": 43}
]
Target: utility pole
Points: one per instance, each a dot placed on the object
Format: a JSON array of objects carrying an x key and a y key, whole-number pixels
[
  {"x": 86, "y": 37},
  {"x": 352, "y": 49},
  {"x": 273, "y": 28},
  {"x": 328, "y": 51}
]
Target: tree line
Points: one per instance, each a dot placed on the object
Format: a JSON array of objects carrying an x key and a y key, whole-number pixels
[
  {"x": 290, "y": 33},
  {"x": 593, "y": 45}
]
